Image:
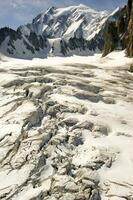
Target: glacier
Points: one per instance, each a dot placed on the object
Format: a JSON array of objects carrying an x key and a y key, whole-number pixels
[{"x": 66, "y": 128}]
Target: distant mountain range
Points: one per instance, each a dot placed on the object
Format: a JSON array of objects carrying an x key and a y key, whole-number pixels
[{"x": 74, "y": 30}]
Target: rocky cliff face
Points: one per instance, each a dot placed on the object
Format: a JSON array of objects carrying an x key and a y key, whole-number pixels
[
  {"x": 130, "y": 29},
  {"x": 119, "y": 31},
  {"x": 14, "y": 43},
  {"x": 115, "y": 31}
]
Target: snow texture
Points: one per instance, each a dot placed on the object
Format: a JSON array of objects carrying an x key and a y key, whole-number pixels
[{"x": 66, "y": 128}]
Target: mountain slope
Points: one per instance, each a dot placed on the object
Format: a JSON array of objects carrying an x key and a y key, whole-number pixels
[
  {"x": 59, "y": 31},
  {"x": 74, "y": 30},
  {"x": 15, "y": 44},
  {"x": 70, "y": 30},
  {"x": 79, "y": 21}
]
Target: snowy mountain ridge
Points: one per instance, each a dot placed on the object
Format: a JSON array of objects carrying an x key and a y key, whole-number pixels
[
  {"x": 65, "y": 22},
  {"x": 74, "y": 30}
]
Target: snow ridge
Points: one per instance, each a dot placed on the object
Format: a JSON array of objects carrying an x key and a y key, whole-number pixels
[
  {"x": 58, "y": 22},
  {"x": 59, "y": 32}
]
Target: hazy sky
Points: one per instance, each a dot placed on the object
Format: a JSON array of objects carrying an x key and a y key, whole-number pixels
[{"x": 17, "y": 12}]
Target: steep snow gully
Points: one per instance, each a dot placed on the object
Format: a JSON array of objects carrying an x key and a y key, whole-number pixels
[{"x": 66, "y": 130}]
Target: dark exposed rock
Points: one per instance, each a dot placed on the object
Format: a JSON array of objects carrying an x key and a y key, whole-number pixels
[
  {"x": 64, "y": 47},
  {"x": 119, "y": 31},
  {"x": 109, "y": 100},
  {"x": 70, "y": 121},
  {"x": 38, "y": 42},
  {"x": 14, "y": 35},
  {"x": 101, "y": 129},
  {"x": 115, "y": 31},
  {"x": 32, "y": 42},
  {"x": 82, "y": 44},
  {"x": 131, "y": 68},
  {"x": 84, "y": 125},
  {"x": 95, "y": 195},
  {"x": 130, "y": 29}
]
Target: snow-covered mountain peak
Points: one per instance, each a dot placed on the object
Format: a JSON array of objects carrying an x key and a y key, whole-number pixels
[
  {"x": 71, "y": 30},
  {"x": 68, "y": 22},
  {"x": 51, "y": 9}
]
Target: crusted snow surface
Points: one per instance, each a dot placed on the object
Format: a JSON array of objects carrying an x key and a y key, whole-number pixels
[{"x": 66, "y": 130}]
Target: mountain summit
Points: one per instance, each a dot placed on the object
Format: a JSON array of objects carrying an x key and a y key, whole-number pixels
[
  {"x": 57, "y": 31},
  {"x": 79, "y": 21},
  {"x": 73, "y": 30}
]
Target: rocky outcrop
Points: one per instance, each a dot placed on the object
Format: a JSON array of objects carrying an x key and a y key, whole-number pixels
[
  {"x": 130, "y": 29},
  {"x": 119, "y": 31},
  {"x": 115, "y": 31},
  {"x": 14, "y": 43},
  {"x": 12, "y": 35},
  {"x": 84, "y": 46}
]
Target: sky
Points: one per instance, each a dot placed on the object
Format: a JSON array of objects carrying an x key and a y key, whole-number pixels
[{"x": 14, "y": 13}]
